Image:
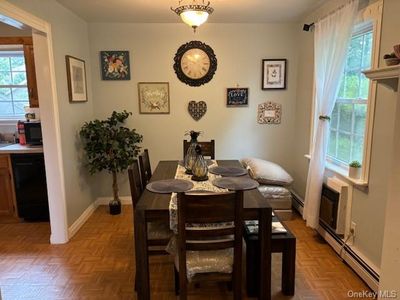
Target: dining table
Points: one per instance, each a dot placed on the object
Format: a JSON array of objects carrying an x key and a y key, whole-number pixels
[{"x": 155, "y": 207}]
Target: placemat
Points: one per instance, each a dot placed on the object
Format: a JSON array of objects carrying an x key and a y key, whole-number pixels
[
  {"x": 228, "y": 171},
  {"x": 169, "y": 186},
  {"x": 236, "y": 183}
]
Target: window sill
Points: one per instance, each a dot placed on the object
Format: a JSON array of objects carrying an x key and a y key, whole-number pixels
[{"x": 342, "y": 173}]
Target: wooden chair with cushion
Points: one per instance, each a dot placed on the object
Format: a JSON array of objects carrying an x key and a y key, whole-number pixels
[
  {"x": 204, "y": 209},
  {"x": 207, "y": 148},
  {"x": 158, "y": 233}
]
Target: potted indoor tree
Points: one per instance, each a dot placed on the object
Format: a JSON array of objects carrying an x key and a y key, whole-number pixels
[
  {"x": 355, "y": 170},
  {"x": 112, "y": 147}
]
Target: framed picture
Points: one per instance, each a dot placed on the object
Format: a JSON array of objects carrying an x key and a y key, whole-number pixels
[
  {"x": 115, "y": 65},
  {"x": 76, "y": 77},
  {"x": 153, "y": 97},
  {"x": 269, "y": 113},
  {"x": 237, "y": 96},
  {"x": 273, "y": 74}
]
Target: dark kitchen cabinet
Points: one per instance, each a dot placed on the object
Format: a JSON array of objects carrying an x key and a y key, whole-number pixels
[{"x": 30, "y": 186}]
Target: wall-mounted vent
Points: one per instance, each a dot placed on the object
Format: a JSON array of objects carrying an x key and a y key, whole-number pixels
[{"x": 335, "y": 207}]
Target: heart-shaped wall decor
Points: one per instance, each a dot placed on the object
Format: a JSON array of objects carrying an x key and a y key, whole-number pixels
[{"x": 197, "y": 109}]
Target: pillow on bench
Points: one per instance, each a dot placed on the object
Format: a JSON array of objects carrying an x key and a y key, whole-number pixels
[{"x": 266, "y": 172}]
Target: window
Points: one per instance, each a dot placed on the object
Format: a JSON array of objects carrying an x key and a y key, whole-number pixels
[
  {"x": 13, "y": 84},
  {"x": 348, "y": 120}
]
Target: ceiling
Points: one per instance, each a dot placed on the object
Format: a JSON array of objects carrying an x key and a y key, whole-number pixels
[{"x": 158, "y": 11}]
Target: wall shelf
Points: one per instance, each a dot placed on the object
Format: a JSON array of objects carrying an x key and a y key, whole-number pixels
[{"x": 388, "y": 76}]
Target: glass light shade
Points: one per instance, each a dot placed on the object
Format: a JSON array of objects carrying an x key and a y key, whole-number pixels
[{"x": 194, "y": 18}]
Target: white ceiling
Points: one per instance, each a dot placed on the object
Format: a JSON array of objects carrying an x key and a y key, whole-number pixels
[{"x": 158, "y": 11}]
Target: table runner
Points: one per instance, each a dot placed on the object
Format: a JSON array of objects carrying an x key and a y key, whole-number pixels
[{"x": 198, "y": 186}]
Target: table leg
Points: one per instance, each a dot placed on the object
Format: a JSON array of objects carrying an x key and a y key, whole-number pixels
[
  {"x": 264, "y": 231},
  {"x": 141, "y": 256},
  {"x": 289, "y": 267}
]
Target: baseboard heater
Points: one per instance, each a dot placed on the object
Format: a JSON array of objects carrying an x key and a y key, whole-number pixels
[{"x": 362, "y": 269}]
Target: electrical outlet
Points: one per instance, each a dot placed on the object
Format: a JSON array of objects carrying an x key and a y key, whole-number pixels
[{"x": 353, "y": 228}]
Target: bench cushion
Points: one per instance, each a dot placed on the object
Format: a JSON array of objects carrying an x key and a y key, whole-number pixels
[
  {"x": 278, "y": 197},
  {"x": 266, "y": 172}
]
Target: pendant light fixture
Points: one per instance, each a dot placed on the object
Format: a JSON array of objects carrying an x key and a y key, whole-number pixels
[{"x": 194, "y": 13}]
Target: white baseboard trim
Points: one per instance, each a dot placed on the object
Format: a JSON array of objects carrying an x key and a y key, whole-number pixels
[
  {"x": 368, "y": 273},
  {"x": 125, "y": 200},
  {"x": 74, "y": 228}
]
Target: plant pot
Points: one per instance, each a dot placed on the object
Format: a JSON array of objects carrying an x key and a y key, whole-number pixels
[
  {"x": 354, "y": 173},
  {"x": 115, "y": 207}
]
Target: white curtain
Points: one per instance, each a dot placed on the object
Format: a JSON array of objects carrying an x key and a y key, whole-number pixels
[{"x": 331, "y": 41}]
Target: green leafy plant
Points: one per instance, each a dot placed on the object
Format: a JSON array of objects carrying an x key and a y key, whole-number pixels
[
  {"x": 110, "y": 146},
  {"x": 355, "y": 164}
]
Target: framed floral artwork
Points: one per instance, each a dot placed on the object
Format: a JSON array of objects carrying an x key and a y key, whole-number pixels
[
  {"x": 153, "y": 97},
  {"x": 76, "y": 77},
  {"x": 115, "y": 65},
  {"x": 273, "y": 74}
]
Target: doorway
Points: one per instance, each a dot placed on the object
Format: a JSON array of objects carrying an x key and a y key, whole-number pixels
[{"x": 49, "y": 113}]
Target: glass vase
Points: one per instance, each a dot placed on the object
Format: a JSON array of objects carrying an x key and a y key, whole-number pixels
[
  {"x": 200, "y": 167},
  {"x": 190, "y": 156}
]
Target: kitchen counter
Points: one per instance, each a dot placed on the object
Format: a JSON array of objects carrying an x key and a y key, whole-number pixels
[{"x": 20, "y": 149}]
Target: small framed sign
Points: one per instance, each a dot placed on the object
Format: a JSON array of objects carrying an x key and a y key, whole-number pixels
[
  {"x": 237, "y": 96},
  {"x": 269, "y": 113},
  {"x": 274, "y": 74}
]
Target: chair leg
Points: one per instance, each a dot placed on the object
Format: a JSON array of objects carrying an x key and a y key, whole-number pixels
[{"x": 176, "y": 279}]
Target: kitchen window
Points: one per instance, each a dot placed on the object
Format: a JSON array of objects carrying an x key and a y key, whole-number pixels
[{"x": 14, "y": 95}]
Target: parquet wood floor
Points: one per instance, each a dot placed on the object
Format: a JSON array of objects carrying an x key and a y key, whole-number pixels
[{"x": 98, "y": 263}]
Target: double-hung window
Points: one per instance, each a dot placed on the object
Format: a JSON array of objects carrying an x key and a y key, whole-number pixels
[
  {"x": 13, "y": 84},
  {"x": 348, "y": 120}
]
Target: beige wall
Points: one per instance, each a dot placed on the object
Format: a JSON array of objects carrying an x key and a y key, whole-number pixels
[
  {"x": 70, "y": 37},
  {"x": 368, "y": 207},
  {"x": 239, "y": 49},
  {"x": 391, "y": 247}
]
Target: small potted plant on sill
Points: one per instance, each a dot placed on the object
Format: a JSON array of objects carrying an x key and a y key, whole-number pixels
[
  {"x": 112, "y": 147},
  {"x": 355, "y": 170}
]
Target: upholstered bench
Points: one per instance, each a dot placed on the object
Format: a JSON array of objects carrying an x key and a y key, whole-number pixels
[{"x": 273, "y": 180}]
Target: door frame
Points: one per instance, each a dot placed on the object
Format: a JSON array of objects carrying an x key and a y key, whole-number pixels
[{"x": 49, "y": 111}]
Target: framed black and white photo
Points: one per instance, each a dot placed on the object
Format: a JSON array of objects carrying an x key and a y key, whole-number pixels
[
  {"x": 76, "y": 77},
  {"x": 273, "y": 74},
  {"x": 237, "y": 97}
]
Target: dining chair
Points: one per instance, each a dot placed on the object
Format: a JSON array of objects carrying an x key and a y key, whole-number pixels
[
  {"x": 145, "y": 168},
  {"x": 158, "y": 233},
  {"x": 207, "y": 148},
  {"x": 223, "y": 208}
]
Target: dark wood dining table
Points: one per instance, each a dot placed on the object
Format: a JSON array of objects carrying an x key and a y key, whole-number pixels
[{"x": 155, "y": 207}]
